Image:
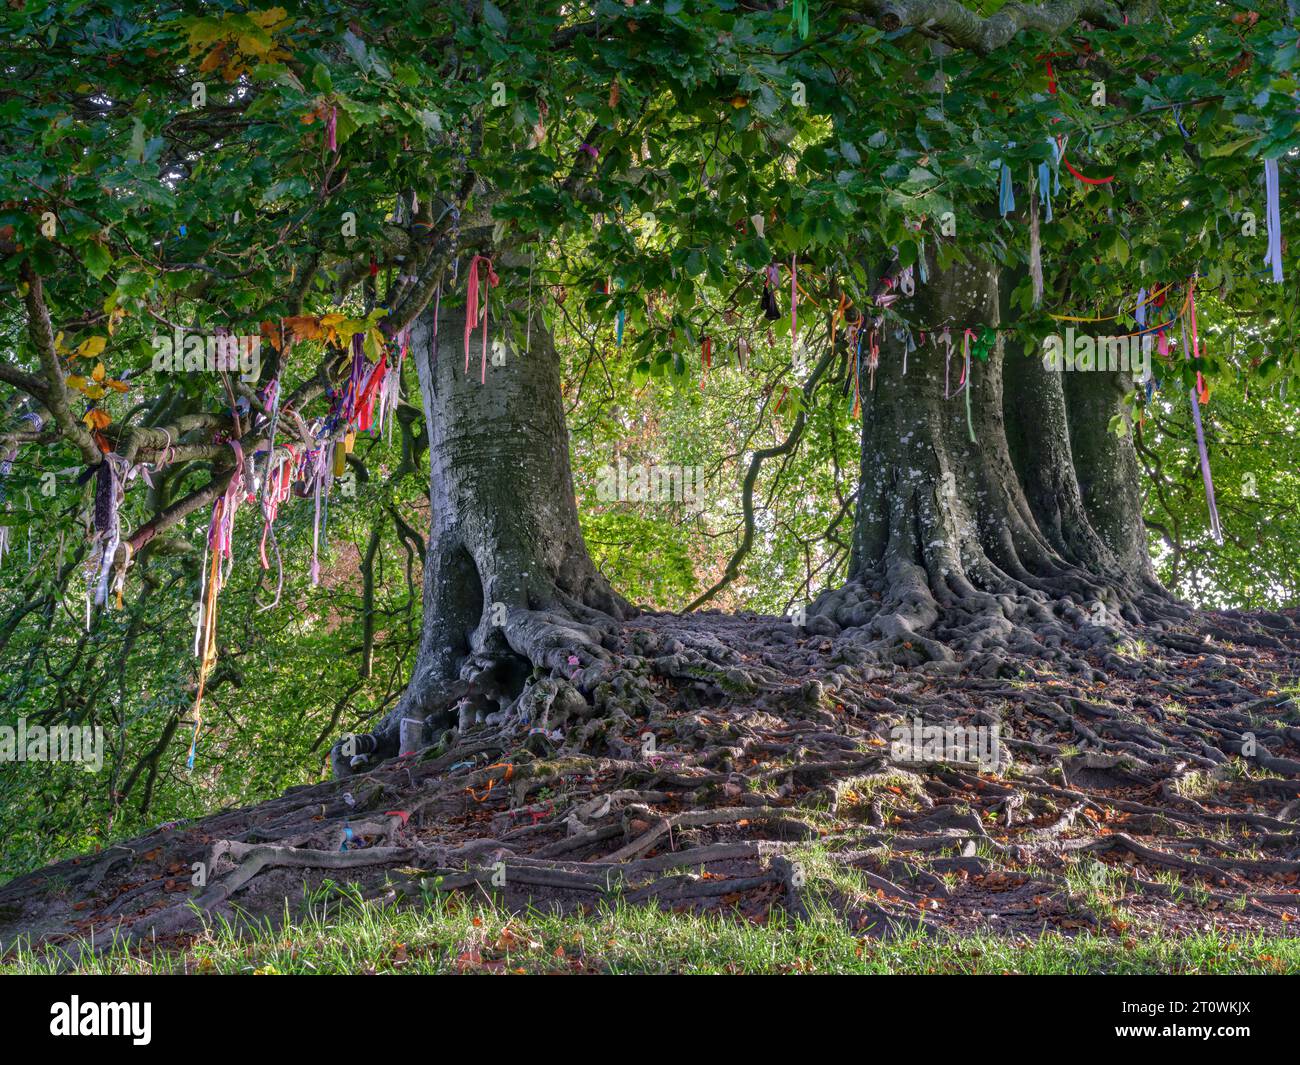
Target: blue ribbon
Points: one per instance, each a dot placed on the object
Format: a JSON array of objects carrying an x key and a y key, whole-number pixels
[
  {"x": 1006, "y": 192},
  {"x": 1049, "y": 179}
]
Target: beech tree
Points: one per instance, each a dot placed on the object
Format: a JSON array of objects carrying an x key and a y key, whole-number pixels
[
  {"x": 896, "y": 209},
  {"x": 960, "y": 545},
  {"x": 555, "y": 127}
]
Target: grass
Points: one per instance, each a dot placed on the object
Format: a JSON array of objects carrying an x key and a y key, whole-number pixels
[{"x": 449, "y": 935}]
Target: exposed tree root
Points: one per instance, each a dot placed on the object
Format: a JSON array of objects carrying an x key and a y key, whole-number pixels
[
  {"x": 743, "y": 763},
  {"x": 980, "y": 619}
]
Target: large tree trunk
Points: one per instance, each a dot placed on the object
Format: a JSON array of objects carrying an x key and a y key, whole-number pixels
[
  {"x": 958, "y": 547},
  {"x": 1107, "y": 467},
  {"x": 1038, "y": 434},
  {"x": 509, "y": 587}
]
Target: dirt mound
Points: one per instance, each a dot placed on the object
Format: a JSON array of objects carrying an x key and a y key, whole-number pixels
[{"x": 771, "y": 769}]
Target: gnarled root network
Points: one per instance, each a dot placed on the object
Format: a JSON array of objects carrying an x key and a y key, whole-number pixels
[{"x": 743, "y": 763}]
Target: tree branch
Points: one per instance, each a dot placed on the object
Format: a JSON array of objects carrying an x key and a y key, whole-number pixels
[
  {"x": 56, "y": 391},
  {"x": 963, "y": 28}
]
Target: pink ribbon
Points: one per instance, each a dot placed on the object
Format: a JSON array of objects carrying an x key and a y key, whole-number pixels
[
  {"x": 794, "y": 298},
  {"x": 967, "y": 337},
  {"x": 472, "y": 308},
  {"x": 221, "y": 528},
  {"x": 279, "y": 485},
  {"x": 319, "y": 474},
  {"x": 1201, "y": 391}
]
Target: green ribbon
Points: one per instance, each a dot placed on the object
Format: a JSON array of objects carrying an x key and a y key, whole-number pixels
[
  {"x": 983, "y": 344},
  {"x": 799, "y": 17}
]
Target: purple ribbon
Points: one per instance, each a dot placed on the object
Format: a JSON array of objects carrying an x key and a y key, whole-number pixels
[
  {"x": 1274, "y": 256},
  {"x": 1215, "y": 529}
]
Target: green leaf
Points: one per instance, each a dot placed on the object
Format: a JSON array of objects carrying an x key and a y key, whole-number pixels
[
  {"x": 137, "y": 140},
  {"x": 356, "y": 48},
  {"x": 492, "y": 15},
  {"x": 1231, "y": 148},
  {"x": 98, "y": 260}
]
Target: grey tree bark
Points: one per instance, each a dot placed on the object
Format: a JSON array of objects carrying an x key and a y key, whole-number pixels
[
  {"x": 509, "y": 587},
  {"x": 980, "y": 529},
  {"x": 1038, "y": 432},
  {"x": 1107, "y": 467}
]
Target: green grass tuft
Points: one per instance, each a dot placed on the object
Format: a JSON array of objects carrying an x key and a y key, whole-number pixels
[{"x": 449, "y": 936}]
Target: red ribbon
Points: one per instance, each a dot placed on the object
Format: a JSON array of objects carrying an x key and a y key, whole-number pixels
[
  {"x": 1082, "y": 177},
  {"x": 1051, "y": 87},
  {"x": 365, "y": 402},
  {"x": 1060, "y": 143}
]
